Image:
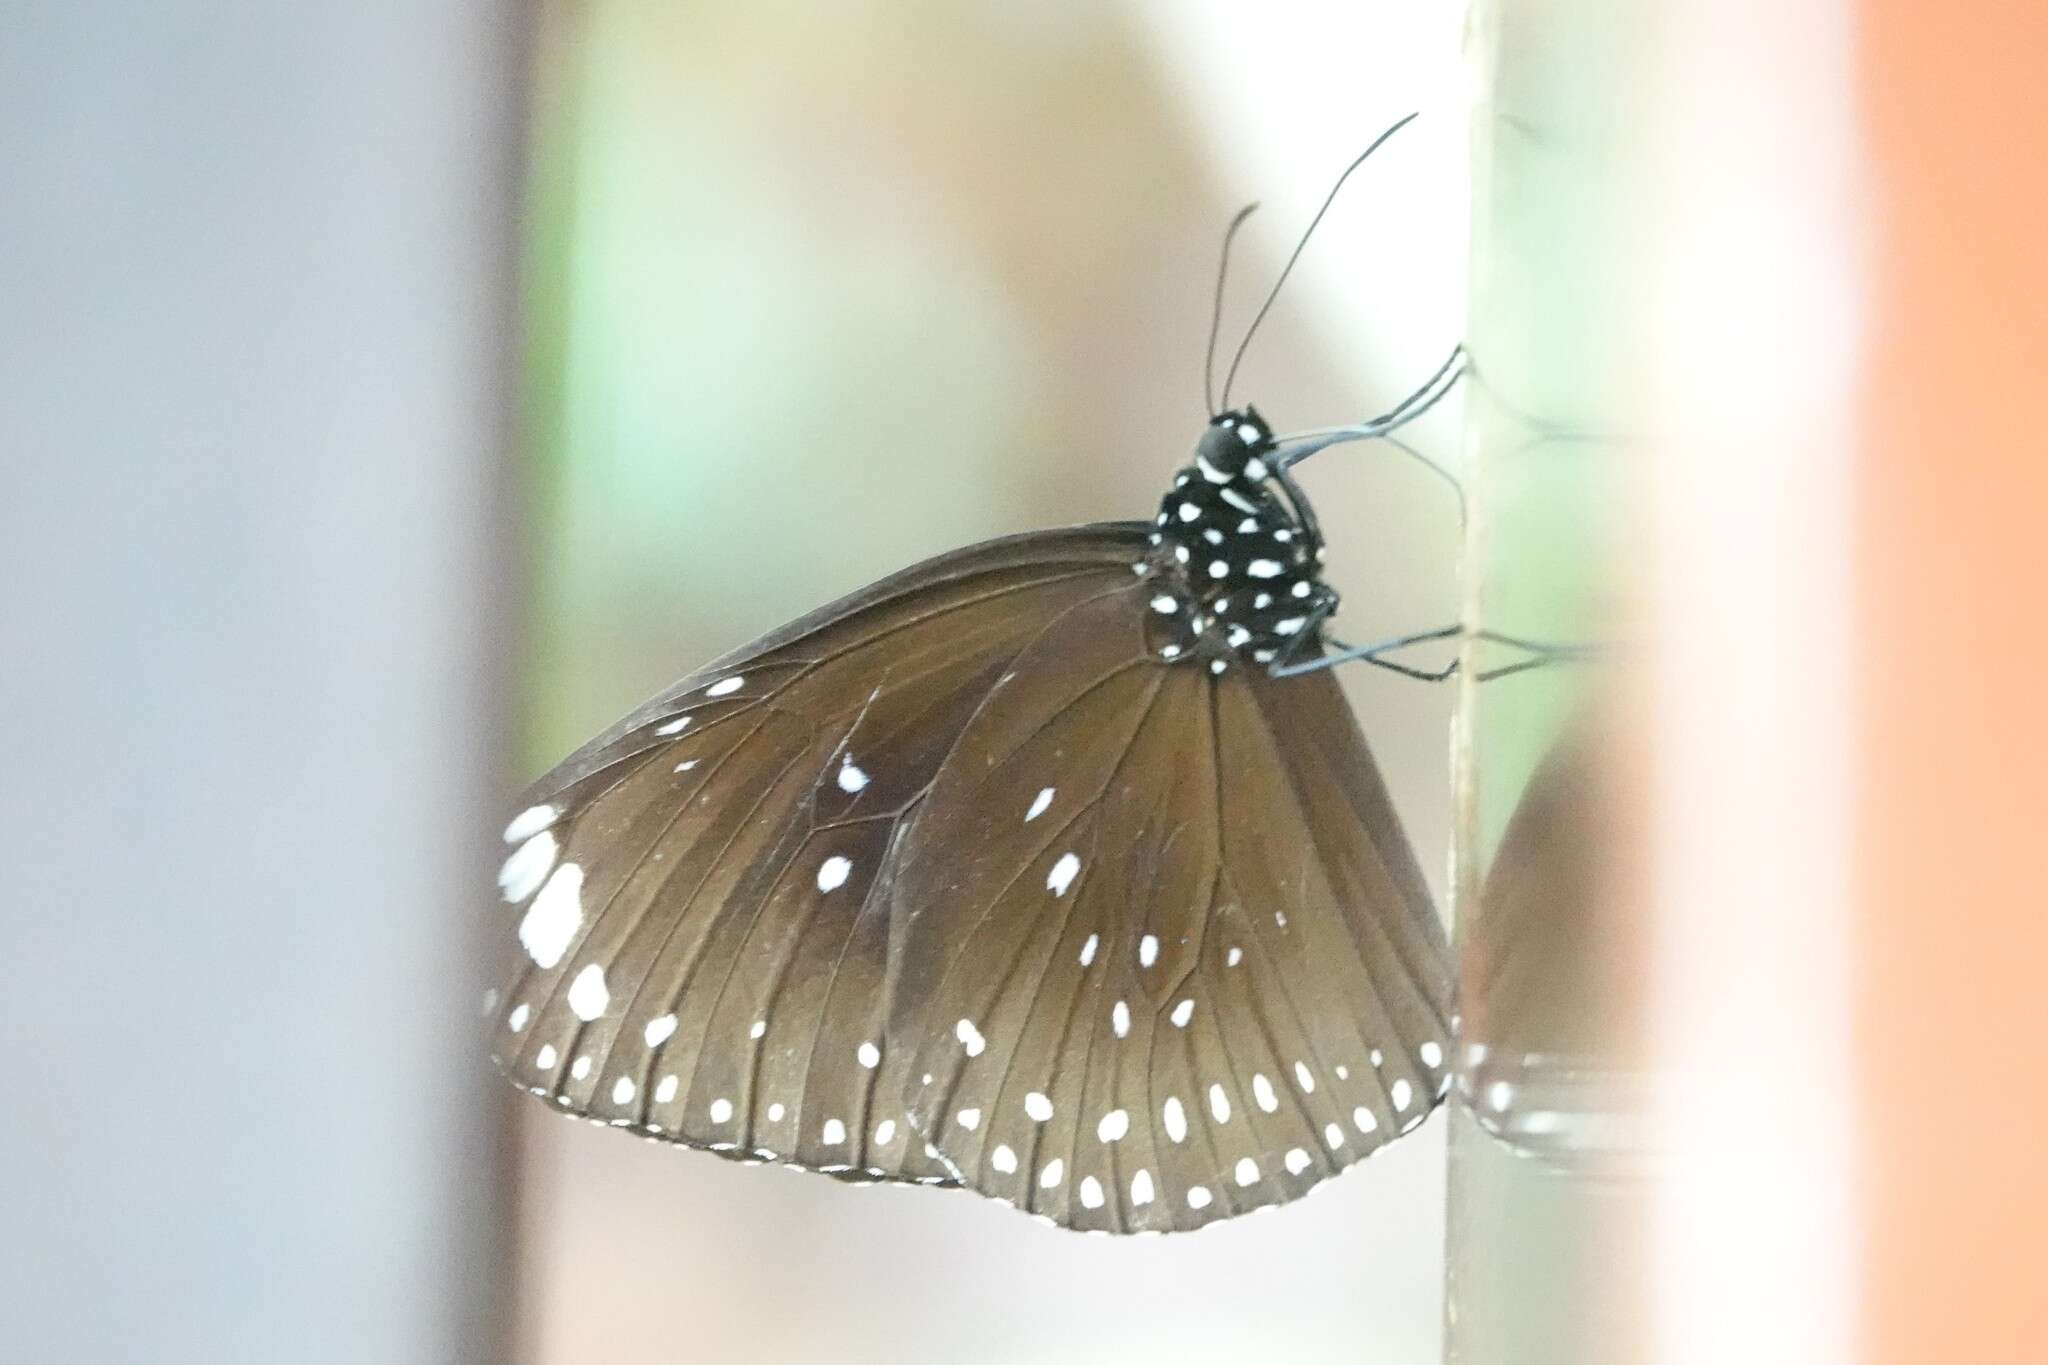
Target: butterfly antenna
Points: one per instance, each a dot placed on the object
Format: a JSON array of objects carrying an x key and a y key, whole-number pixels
[
  {"x": 1329, "y": 199},
  {"x": 1216, "y": 312}
]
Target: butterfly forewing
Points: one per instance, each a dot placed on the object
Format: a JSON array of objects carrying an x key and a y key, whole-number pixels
[
  {"x": 703, "y": 893},
  {"x": 1161, "y": 972}
]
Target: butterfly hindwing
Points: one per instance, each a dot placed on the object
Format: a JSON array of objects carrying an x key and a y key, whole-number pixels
[
  {"x": 703, "y": 894},
  {"x": 1166, "y": 953}
]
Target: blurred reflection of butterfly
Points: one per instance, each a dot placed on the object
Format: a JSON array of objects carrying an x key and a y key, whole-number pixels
[{"x": 1056, "y": 868}]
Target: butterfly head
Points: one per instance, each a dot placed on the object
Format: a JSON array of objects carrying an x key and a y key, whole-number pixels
[
  {"x": 1236, "y": 445},
  {"x": 1235, "y": 566}
]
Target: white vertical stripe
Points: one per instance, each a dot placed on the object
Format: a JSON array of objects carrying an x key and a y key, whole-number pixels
[{"x": 1753, "y": 1232}]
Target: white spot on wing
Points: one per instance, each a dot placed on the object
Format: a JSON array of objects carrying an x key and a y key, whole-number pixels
[
  {"x": 530, "y": 822},
  {"x": 588, "y": 995},
  {"x": 1183, "y": 1012},
  {"x": 833, "y": 1133},
  {"x": 1054, "y": 1172},
  {"x": 1003, "y": 1159},
  {"x": 969, "y": 1119},
  {"x": 868, "y": 1055},
  {"x": 1263, "y": 568},
  {"x": 1037, "y": 1107},
  {"x": 1165, "y": 604},
  {"x": 1333, "y": 1135},
  {"x": 1088, "y": 949},
  {"x": 885, "y": 1132},
  {"x": 659, "y": 1030},
  {"x": 665, "y": 1093},
  {"x": 1120, "y": 1019},
  {"x": 1199, "y": 1196},
  {"x": 725, "y": 687},
  {"x": 1262, "y": 1091},
  {"x": 554, "y": 917},
  {"x": 1148, "y": 950},
  {"x": 1297, "y": 1161},
  {"x": 674, "y": 727},
  {"x": 1141, "y": 1188},
  {"x": 1038, "y": 804},
  {"x": 1432, "y": 1055},
  {"x": 544, "y": 1060},
  {"x": 1091, "y": 1192},
  {"x": 1235, "y": 956},
  {"x": 623, "y": 1090},
  {"x": 1400, "y": 1093},
  {"x": 851, "y": 778},
  {"x": 1176, "y": 1119},
  {"x": 1063, "y": 873},
  {"x": 1247, "y": 1171},
  {"x": 1304, "y": 1078},
  {"x": 970, "y": 1037},
  {"x": 1362, "y": 1118},
  {"x": 833, "y": 871},
  {"x": 528, "y": 866},
  {"x": 581, "y": 1068},
  {"x": 1113, "y": 1126},
  {"x": 1219, "y": 1103}
]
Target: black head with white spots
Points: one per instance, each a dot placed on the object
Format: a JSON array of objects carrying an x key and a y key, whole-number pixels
[{"x": 1236, "y": 561}]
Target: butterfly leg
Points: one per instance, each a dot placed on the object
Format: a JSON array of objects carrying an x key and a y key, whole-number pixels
[
  {"x": 1291, "y": 666},
  {"x": 1540, "y": 653},
  {"x": 1294, "y": 449},
  {"x": 1432, "y": 391},
  {"x": 1342, "y": 653}
]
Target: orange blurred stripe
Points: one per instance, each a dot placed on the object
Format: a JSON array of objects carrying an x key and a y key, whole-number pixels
[{"x": 1953, "y": 584}]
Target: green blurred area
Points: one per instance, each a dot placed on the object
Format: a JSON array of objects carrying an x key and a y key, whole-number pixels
[{"x": 771, "y": 354}]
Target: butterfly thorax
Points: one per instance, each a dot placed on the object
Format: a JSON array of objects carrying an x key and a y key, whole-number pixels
[{"x": 1235, "y": 566}]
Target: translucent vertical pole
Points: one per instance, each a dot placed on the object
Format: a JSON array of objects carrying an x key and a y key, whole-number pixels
[{"x": 1545, "y": 1164}]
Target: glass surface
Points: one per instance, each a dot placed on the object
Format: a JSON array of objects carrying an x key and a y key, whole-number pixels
[{"x": 1547, "y": 1175}]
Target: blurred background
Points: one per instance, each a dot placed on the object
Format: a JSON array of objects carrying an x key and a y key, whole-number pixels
[{"x": 392, "y": 395}]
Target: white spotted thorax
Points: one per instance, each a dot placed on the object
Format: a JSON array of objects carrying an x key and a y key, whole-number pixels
[{"x": 1236, "y": 568}]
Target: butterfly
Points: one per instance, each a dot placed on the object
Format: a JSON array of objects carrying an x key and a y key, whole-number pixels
[{"x": 1055, "y": 868}]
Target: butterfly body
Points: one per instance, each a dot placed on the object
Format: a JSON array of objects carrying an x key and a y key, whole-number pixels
[
  {"x": 1238, "y": 568},
  {"x": 999, "y": 873}
]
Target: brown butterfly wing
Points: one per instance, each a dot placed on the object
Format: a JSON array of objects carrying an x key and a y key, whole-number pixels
[
  {"x": 704, "y": 893},
  {"x": 1164, "y": 948}
]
